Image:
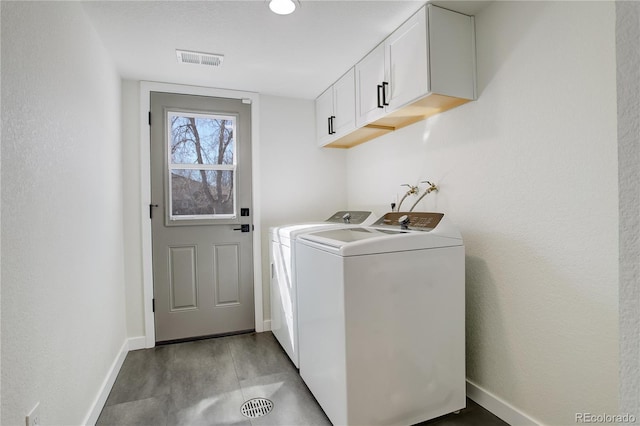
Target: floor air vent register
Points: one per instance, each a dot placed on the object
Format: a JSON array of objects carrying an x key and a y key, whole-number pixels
[{"x": 256, "y": 407}]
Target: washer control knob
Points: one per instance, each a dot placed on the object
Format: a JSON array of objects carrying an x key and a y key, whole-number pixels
[
  {"x": 347, "y": 217},
  {"x": 404, "y": 221}
]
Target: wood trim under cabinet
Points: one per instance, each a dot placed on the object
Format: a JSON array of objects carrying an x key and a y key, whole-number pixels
[{"x": 417, "y": 111}]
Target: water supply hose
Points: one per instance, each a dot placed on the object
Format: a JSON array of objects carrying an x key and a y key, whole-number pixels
[{"x": 432, "y": 187}]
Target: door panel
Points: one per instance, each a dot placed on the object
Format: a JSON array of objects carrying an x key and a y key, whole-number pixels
[
  {"x": 182, "y": 278},
  {"x": 227, "y": 268},
  {"x": 407, "y": 62},
  {"x": 200, "y": 178},
  {"x": 324, "y": 111},
  {"x": 369, "y": 75},
  {"x": 344, "y": 100}
]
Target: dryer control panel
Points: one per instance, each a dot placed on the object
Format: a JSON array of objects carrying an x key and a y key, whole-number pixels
[
  {"x": 352, "y": 217},
  {"x": 414, "y": 221}
]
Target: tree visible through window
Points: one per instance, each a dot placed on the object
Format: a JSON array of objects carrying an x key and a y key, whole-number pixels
[{"x": 202, "y": 165}]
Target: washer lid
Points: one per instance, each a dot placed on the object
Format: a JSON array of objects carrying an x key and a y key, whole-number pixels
[
  {"x": 339, "y": 237},
  {"x": 289, "y": 232},
  {"x": 354, "y": 241}
]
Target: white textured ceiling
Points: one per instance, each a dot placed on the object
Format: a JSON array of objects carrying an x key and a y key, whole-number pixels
[{"x": 297, "y": 55}]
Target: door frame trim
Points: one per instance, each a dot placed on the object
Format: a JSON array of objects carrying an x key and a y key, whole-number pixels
[{"x": 146, "y": 87}]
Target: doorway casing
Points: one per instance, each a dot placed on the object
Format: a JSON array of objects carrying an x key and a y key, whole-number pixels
[{"x": 145, "y": 190}]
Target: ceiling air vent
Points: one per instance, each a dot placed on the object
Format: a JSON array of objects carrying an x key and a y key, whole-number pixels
[{"x": 199, "y": 58}]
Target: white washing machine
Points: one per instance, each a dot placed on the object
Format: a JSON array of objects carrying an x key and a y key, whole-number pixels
[
  {"x": 381, "y": 319},
  {"x": 284, "y": 319}
]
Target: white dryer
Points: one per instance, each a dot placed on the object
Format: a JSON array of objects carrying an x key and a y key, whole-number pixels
[
  {"x": 284, "y": 319},
  {"x": 381, "y": 319}
]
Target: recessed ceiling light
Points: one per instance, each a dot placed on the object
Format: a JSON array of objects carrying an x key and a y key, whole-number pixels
[{"x": 282, "y": 7}]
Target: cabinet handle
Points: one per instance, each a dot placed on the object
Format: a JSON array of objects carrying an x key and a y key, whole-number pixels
[
  {"x": 331, "y": 124},
  {"x": 379, "y": 103},
  {"x": 384, "y": 93}
]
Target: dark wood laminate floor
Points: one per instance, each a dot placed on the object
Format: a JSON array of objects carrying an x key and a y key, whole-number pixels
[{"x": 205, "y": 382}]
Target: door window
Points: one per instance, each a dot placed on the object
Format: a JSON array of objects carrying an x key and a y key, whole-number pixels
[{"x": 201, "y": 166}]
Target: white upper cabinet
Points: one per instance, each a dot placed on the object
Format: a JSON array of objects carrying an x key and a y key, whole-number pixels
[
  {"x": 425, "y": 67},
  {"x": 370, "y": 76},
  {"x": 324, "y": 114},
  {"x": 432, "y": 52},
  {"x": 344, "y": 100},
  {"x": 452, "y": 53},
  {"x": 406, "y": 63},
  {"x": 335, "y": 110},
  {"x": 394, "y": 73}
]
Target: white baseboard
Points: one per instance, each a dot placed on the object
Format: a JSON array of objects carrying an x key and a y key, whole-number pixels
[
  {"x": 135, "y": 343},
  {"x": 107, "y": 384},
  {"x": 266, "y": 325},
  {"x": 498, "y": 406}
]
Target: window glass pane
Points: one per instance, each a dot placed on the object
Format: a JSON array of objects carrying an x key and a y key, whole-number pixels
[
  {"x": 202, "y": 192},
  {"x": 201, "y": 139}
]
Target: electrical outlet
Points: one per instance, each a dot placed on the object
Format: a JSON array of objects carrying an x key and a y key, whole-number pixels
[{"x": 33, "y": 418}]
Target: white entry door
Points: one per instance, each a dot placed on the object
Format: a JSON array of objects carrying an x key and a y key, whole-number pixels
[{"x": 201, "y": 218}]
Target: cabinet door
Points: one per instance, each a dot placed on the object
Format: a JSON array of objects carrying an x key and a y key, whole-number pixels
[
  {"x": 344, "y": 104},
  {"x": 407, "y": 62},
  {"x": 324, "y": 111},
  {"x": 370, "y": 75}
]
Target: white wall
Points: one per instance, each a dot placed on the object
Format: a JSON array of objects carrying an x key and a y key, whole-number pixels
[
  {"x": 529, "y": 174},
  {"x": 300, "y": 182},
  {"x": 628, "y": 82},
  {"x": 63, "y": 318}
]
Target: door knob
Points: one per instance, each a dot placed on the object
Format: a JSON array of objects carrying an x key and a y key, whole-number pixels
[{"x": 243, "y": 228}]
